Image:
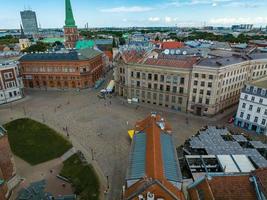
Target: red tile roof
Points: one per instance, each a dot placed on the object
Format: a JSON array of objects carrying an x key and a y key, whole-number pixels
[
  {"x": 230, "y": 187},
  {"x": 155, "y": 180},
  {"x": 109, "y": 54},
  {"x": 179, "y": 63},
  {"x": 172, "y": 45}
]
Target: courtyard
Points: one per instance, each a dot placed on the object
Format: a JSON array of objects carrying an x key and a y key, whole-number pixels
[{"x": 97, "y": 127}]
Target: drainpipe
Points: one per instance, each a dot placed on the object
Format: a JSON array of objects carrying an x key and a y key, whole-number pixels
[{"x": 258, "y": 193}]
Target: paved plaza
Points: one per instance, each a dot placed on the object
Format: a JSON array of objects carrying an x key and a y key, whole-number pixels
[{"x": 97, "y": 127}]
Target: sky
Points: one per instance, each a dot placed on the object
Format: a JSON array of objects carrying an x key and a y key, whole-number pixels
[{"x": 127, "y": 13}]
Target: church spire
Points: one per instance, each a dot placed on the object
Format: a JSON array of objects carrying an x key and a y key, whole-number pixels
[
  {"x": 22, "y": 35},
  {"x": 69, "y": 21}
]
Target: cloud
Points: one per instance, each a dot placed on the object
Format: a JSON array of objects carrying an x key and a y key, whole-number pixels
[
  {"x": 238, "y": 20},
  {"x": 126, "y": 9},
  {"x": 226, "y": 3},
  {"x": 153, "y": 19}
]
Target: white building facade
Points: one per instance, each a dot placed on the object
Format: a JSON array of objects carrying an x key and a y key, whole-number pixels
[
  {"x": 11, "y": 85},
  {"x": 252, "y": 109}
]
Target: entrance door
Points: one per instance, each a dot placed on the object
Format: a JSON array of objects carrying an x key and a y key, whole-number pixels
[
  {"x": 199, "y": 111},
  {"x": 30, "y": 84}
]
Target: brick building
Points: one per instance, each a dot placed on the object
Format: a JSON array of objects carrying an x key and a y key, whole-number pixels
[
  {"x": 11, "y": 86},
  {"x": 7, "y": 167},
  {"x": 68, "y": 69},
  {"x": 153, "y": 171}
]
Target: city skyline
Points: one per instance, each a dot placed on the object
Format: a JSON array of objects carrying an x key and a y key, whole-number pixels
[{"x": 119, "y": 13}]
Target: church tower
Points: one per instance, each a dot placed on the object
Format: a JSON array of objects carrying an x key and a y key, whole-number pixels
[{"x": 70, "y": 29}]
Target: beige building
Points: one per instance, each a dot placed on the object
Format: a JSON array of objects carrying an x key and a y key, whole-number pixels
[
  {"x": 203, "y": 87},
  {"x": 164, "y": 84},
  {"x": 216, "y": 83}
]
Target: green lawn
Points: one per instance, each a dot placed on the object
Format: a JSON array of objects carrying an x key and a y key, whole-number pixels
[
  {"x": 83, "y": 178},
  {"x": 35, "y": 142}
]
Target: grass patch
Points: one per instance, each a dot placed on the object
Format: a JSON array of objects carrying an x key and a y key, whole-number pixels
[
  {"x": 83, "y": 178},
  {"x": 35, "y": 142}
]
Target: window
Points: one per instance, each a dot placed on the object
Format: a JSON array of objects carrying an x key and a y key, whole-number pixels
[
  {"x": 173, "y": 99},
  {"x": 182, "y": 81},
  {"x": 241, "y": 114},
  {"x": 203, "y": 76},
  {"x": 194, "y": 99},
  {"x": 248, "y": 117},
  {"x": 155, "y": 77},
  {"x": 195, "y": 90},
  {"x": 202, "y": 83},
  {"x": 132, "y": 74},
  {"x": 196, "y": 75},
  {"x": 246, "y": 97},
  {"x": 174, "y": 89},
  {"x": 252, "y": 98},
  {"x": 261, "y": 100},
  {"x": 208, "y": 92},
  {"x": 195, "y": 82},
  {"x": 137, "y": 74},
  {"x": 200, "y": 100},
  {"x": 263, "y": 121},
  {"x": 180, "y": 100},
  {"x": 210, "y": 84},
  {"x": 138, "y": 84},
  {"x": 155, "y": 86},
  {"x": 210, "y": 77},
  {"x": 162, "y": 78},
  {"x": 168, "y": 88},
  {"x": 201, "y": 91},
  {"x": 161, "y": 87},
  {"x": 243, "y": 105},
  {"x": 207, "y": 101},
  {"x": 148, "y": 85},
  {"x": 258, "y": 110},
  {"x": 265, "y": 112},
  {"x": 250, "y": 107},
  {"x": 256, "y": 119},
  {"x": 149, "y": 76},
  {"x": 181, "y": 90}
]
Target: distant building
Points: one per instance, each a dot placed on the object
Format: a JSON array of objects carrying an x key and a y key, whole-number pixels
[
  {"x": 65, "y": 69},
  {"x": 70, "y": 29},
  {"x": 153, "y": 171},
  {"x": 252, "y": 109},
  {"x": 8, "y": 179},
  {"x": 242, "y": 27},
  {"x": 11, "y": 85},
  {"x": 249, "y": 186},
  {"x": 24, "y": 42},
  {"x": 29, "y": 22}
]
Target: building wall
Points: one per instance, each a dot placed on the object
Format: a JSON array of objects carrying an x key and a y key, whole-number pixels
[
  {"x": 11, "y": 86},
  {"x": 6, "y": 160},
  {"x": 50, "y": 74},
  {"x": 71, "y": 36},
  {"x": 162, "y": 86},
  {"x": 225, "y": 85},
  {"x": 206, "y": 90},
  {"x": 252, "y": 110}
]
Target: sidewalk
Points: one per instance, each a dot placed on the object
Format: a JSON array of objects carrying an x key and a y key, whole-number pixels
[{"x": 168, "y": 110}]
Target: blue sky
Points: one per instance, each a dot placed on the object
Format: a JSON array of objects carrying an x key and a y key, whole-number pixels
[{"x": 123, "y": 13}]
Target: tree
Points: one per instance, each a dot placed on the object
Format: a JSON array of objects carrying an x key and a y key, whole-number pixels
[
  {"x": 38, "y": 47},
  {"x": 157, "y": 38},
  {"x": 122, "y": 41}
]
